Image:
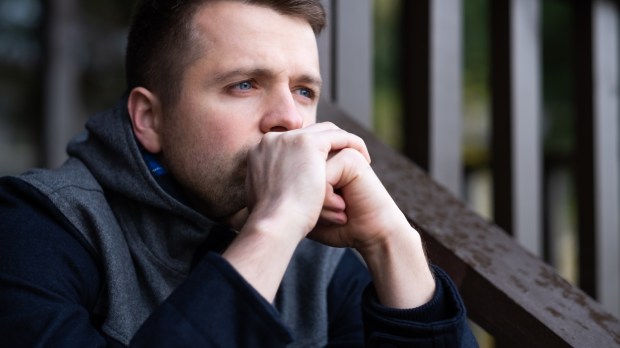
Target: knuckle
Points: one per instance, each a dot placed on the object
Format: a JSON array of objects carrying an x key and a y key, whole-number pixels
[
  {"x": 301, "y": 139},
  {"x": 351, "y": 155},
  {"x": 360, "y": 140},
  {"x": 330, "y": 125}
]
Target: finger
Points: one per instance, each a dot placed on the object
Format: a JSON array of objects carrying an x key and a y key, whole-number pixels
[
  {"x": 344, "y": 167},
  {"x": 332, "y": 217},
  {"x": 333, "y": 201},
  {"x": 321, "y": 126},
  {"x": 330, "y": 234},
  {"x": 333, "y": 211},
  {"x": 337, "y": 138},
  {"x": 313, "y": 128}
]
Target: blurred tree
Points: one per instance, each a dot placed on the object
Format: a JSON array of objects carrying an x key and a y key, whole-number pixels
[
  {"x": 20, "y": 87},
  {"x": 558, "y": 78},
  {"x": 89, "y": 36},
  {"x": 476, "y": 93},
  {"x": 387, "y": 54},
  {"x": 103, "y": 78}
]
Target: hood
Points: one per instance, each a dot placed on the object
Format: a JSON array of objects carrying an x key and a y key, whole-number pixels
[
  {"x": 110, "y": 150},
  {"x": 174, "y": 232}
]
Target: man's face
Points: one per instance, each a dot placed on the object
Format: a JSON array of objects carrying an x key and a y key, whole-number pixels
[{"x": 259, "y": 72}]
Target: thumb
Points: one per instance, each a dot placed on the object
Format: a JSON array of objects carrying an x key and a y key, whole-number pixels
[{"x": 333, "y": 211}]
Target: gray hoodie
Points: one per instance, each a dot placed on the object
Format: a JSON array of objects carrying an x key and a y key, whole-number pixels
[{"x": 146, "y": 239}]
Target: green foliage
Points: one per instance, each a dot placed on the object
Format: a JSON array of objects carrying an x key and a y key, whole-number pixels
[
  {"x": 558, "y": 79},
  {"x": 476, "y": 48},
  {"x": 387, "y": 60}
]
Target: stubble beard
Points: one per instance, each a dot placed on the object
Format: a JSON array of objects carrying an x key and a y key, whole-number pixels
[{"x": 221, "y": 188}]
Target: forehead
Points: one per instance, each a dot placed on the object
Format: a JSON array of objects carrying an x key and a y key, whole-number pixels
[
  {"x": 238, "y": 15},
  {"x": 233, "y": 33}
]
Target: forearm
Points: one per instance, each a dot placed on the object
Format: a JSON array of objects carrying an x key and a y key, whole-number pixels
[
  {"x": 400, "y": 270},
  {"x": 261, "y": 253}
]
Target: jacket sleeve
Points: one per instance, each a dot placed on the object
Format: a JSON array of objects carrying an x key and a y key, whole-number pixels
[
  {"x": 215, "y": 307},
  {"x": 356, "y": 317},
  {"x": 50, "y": 283},
  {"x": 442, "y": 322}
]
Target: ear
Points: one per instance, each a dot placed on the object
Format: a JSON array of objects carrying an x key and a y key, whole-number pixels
[{"x": 145, "y": 113}]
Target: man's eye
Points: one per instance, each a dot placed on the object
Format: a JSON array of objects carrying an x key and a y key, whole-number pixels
[
  {"x": 306, "y": 92},
  {"x": 243, "y": 86}
]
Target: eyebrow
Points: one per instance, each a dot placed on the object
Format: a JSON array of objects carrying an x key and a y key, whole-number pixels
[{"x": 260, "y": 72}]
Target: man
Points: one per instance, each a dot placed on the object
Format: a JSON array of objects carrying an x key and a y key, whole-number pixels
[{"x": 204, "y": 209}]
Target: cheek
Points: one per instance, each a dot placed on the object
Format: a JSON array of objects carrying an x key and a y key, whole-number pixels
[
  {"x": 205, "y": 128},
  {"x": 309, "y": 116},
  {"x": 214, "y": 129},
  {"x": 225, "y": 137}
]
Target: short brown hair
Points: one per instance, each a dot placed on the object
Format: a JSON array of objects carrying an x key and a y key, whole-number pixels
[{"x": 160, "y": 47}]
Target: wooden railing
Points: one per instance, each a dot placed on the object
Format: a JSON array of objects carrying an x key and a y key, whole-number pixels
[
  {"x": 515, "y": 296},
  {"x": 511, "y": 292},
  {"x": 433, "y": 118}
]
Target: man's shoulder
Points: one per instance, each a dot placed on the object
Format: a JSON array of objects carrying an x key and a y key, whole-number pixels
[
  {"x": 69, "y": 195},
  {"x": 24, "y": 209},
  {"x": 71, "y": 189},
  {"x": 72, "y": 175},
  {"x": 19, "y": 200}
]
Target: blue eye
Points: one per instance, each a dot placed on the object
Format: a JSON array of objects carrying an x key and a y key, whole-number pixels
[
  {"x": 244, "y": 86},
  {"x": 306, "y": 92}
]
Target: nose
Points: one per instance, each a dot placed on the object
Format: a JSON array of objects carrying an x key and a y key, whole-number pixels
[{"x": 281, "y": 113}]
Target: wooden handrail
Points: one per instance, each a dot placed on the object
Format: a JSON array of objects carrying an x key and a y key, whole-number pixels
[{"x": 516, "y": 297}]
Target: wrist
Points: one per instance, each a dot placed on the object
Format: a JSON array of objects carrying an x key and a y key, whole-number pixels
[
  {"x": 252, "y": 252},
  {"x": 282, "y": 216},
  {"x": 400, "y": 270},
  {"x": 404, "y": 244}
]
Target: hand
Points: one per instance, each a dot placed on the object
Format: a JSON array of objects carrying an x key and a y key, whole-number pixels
[
  {"x": 286, "y": 178},
  {"x": 375, "y": 226},
  {"x": 286, "y": 186},
  {"x": 368, "y": 214}
]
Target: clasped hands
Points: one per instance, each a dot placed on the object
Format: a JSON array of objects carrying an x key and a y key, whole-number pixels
[
  {"x": 319, "y": 179},
  {"x": 317, "y": 182}
]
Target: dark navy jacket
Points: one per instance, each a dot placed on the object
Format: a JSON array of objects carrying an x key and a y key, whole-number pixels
[
  {"x": 102, "y": 252},
  {"x": 50, "y": 282}
]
